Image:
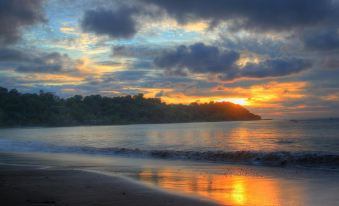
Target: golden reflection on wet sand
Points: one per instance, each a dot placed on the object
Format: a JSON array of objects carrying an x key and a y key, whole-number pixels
[{"x": 226, "y": 189}]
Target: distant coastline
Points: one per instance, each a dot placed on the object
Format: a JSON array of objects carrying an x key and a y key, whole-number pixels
[
  {"x": 46, "y": 109},
  {"x": 118, "y": 124}
]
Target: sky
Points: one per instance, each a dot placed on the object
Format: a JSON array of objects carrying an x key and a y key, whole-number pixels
[{"x": 278, "y": 58}]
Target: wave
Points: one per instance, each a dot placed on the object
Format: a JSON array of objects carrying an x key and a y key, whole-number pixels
[{"x": 280, "y": 158}]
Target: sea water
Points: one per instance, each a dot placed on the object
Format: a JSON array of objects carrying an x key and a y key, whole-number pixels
[{"x": 273, "y": 142}]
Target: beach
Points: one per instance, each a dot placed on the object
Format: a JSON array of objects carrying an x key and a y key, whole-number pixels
[
  {"x": 24, "y": 185},
  {"x": 68, "y": 179},
  {"x": 225, "y": 163}
]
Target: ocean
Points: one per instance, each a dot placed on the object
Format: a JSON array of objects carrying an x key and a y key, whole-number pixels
[{"x": 313, "y": 143}]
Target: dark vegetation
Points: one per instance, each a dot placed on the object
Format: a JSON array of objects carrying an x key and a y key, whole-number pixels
[{"x": 47, "y": 109}]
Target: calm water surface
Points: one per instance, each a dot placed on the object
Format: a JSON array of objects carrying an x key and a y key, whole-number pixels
[{"x": 317, "y": 136}]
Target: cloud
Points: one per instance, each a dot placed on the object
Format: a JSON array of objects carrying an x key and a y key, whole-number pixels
[
  {"x": 160, "y": 94},
  {"x": 31, "y": 62},
  {"x": 108, "y": 63},
  {"x": 324, "y": 40},
  {"x": 141, "y": 51},
  {"x": 129, "y": 75},
  {"x": 11, "y": 55},
  {"x": 136, "y": 56},
  {"x": 197, "y": 58},
  {"x": 262, "y": 14},
  {"x": 118, "y": 23},
  {"x": 48, "y": 63},
  {"x": 16, "y": 14},
  {"x": 269, "y": 68},
  {"x": 200, "y": 58}
]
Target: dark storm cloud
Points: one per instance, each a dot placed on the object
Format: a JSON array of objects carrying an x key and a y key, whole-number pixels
[
  {"x": 48, "y": 63},
  {"x": 11, "y": 55},
  {"x": 30, "y": 62},
  {"x": 262, "y": 14},
  {"x": 117, "y": 23},
  {"x": 197, "y": 58},
  {"x": 268, "y": 68},
  {"x": 15, "y": 14},
  {"x": 324, "y": 40}
]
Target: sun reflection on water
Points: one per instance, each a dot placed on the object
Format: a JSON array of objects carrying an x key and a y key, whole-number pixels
[{"x": 225, "y": 189}]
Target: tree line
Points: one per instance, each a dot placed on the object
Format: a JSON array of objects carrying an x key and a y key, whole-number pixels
[{"x": 47, "y": 109}]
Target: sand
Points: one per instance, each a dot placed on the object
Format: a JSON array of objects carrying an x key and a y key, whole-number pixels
[
  {"x": 69, "y": 179},
  {"x": 21, "y": 186}
]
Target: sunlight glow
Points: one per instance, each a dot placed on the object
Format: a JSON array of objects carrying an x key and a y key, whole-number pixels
[
  {"x": 228, "y": 189},
  {"x": 240, "y": 101}
]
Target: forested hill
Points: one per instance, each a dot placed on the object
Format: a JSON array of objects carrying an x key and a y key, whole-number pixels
[{"x": 46, "y": 109}]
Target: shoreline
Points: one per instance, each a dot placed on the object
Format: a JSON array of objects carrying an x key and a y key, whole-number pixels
[{"x": 27, "y": 185}]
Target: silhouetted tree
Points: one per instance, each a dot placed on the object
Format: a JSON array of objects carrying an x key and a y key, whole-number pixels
[{"x": 47, "y": 109}]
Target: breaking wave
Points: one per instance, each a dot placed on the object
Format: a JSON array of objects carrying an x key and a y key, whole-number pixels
[{"x": 281, "y": 158}]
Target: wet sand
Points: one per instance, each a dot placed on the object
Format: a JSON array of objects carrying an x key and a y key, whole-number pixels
[
  {"x": 29, "y": 186},
  {"x": 70, "y": 179}
]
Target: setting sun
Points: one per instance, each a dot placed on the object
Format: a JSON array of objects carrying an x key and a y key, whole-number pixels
[{"x": 240, "y": 101}]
